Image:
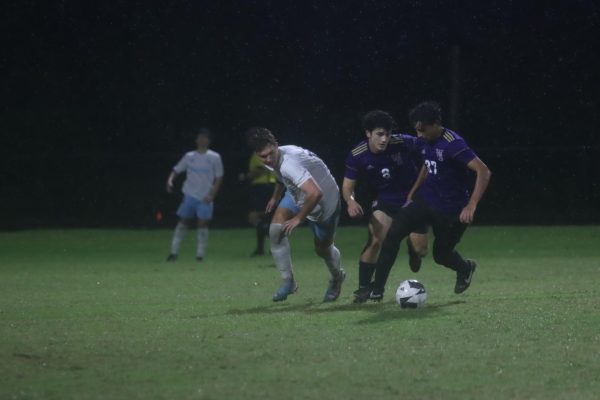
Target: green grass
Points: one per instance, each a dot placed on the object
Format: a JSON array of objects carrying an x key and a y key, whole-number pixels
[{"x": 91, "y": 314}]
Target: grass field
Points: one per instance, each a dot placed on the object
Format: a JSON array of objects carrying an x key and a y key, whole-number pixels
[{"x": 98, "y": 314}]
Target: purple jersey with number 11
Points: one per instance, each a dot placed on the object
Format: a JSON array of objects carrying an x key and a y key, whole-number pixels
[
  {"x": 391, "y": 173},
  {"x": 447, "y": 185}
]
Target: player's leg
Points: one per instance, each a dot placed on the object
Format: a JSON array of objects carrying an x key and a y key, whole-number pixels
[
  {"x": 417, "y": 248},
  {"x": 186, "y": 214},
  {"x": 255, "y": 218},
  {"x": 404, "y": 222},
  {"x": 379, "y": 223},
  {"x": 448, "y": 231},
  {"x": 324, "y": 234},
  {"x": 280, "y": 247},
  {"x": 204, "y": 213}
]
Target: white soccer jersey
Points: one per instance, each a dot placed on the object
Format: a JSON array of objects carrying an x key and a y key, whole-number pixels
[
  {"x": 296, "y": 166},
  {"x": 201, "y": 170}
]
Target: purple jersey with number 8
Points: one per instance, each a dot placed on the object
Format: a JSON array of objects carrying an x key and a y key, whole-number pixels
[{"x": 389, "y": 174}]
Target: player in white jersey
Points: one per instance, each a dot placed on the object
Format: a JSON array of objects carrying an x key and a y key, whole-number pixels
[
  {"x": 204, "y": 175},
  {"x": 312, "y": 194}
]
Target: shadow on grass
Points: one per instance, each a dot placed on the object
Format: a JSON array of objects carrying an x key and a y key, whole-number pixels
[
  {"x": 392, "y": 313},
  {"x": 382, "y": 311}
]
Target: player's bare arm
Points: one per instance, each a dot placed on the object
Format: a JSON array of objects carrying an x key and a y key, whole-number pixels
[
  {"x": 481, "y": 183},
  {"x": 312, "y": 195},
  {"x": 277, "y": 192},
  {"x": 354, "y": 209},
  {"x": 214, "y": 190},
  {"x": 420, "y": 179},
  {"x": 170, "y": 181}
]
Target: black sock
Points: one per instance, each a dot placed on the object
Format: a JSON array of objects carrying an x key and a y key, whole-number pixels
[
  {"x": 455, "y": 262},
  {"x": 365, "y": 273},
  {"x": 260, "y": 238},
  {"x": 386, "y": 260}
]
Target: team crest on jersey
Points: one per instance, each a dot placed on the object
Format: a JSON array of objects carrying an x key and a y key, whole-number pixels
[
  {"x": 397, "y": 158},
  {"x": 440, "y": 154}
]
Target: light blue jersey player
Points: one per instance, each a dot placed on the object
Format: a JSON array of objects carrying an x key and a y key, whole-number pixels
[
  {"x": 312, "y": 194},
  {"x": 204, "y": 174}
]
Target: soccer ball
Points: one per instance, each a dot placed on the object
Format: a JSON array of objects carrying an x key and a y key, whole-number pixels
[{"x": 411, "y": 294}]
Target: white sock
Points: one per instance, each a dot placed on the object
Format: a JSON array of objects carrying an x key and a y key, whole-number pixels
[
  {"x": 332, "y": 259},
  {"x": 280, "y": 249},
  {"x": 178, "y": 235},
  {"x": 202, "y": 240}
]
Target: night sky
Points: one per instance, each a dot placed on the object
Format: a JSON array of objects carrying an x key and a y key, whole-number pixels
[{"x": 99, "y": 99}]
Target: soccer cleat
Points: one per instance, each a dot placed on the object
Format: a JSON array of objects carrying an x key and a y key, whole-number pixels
[
  {"x": 376, "y": 295},
  {"x": 463, "y": 279},
  {"x": 335, "y": 287},
  {"x": 289, "y": 287},
  {"x": 414, "y": 260},
  {"x": 172, "y": 257},
  {"x": 362, "y": 294},
  {"x": 199, "y": 258}
]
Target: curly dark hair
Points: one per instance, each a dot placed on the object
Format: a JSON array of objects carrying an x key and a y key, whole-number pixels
[
  {"x": 428, "y": 112},
  {"x": 258, "y": 138},
  {"x": 378, "y": 119}
]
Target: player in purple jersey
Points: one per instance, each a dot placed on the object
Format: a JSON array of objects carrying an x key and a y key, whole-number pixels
[
  {"x": 443, "y": 199},
  {"x": 388, "y": 163}
]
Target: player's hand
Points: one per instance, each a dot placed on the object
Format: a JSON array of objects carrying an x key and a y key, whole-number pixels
[
  {"x": 209, "y": 198},
  {"x": 169, "y": 187},
  {"x": 288, "y": 226},
  {"x": 354, "y": 209},
  {"x": 408, "y": 201},
  {"x": 467, "y": 214},
  {"x": 271, "y": 205}
]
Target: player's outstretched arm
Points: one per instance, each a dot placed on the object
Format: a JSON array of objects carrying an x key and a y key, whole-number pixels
[
  {"x": 481, "y": 183},
  {"x": 354, "y": 209},
  {"x": 312, "y": 195},
  {"x": 277, "y": 192}
]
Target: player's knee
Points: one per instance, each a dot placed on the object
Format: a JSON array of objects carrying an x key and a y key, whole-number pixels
[
  {"x": 275, "y": 233},
  {"x": 323, "y": 249}
]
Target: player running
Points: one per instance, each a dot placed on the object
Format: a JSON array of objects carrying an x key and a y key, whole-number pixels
[
  {"x": 312, "y": 194},
  {"x": 204, "y": 175},
  {"x": 443, "y": 199},
  {"x": 388, "y": 164}
]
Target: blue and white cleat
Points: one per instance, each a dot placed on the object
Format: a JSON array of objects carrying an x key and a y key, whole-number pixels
[
  {"x": 335, "y": 287},
  {"x": 287, "y": 288}
]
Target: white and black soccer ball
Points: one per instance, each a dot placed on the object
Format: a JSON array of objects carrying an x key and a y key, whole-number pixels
[{"x": 411, "y": 294}]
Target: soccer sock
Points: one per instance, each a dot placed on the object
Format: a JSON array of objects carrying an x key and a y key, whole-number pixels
[
  {"x": 386, "y": 260},
  {"x": 365, "y": 273},
  {"x": 452, "y": 260},
  {"x": 202, "y": 234},
  {"x": 331, "y": 256},
  {"x": 280, "y": 249},
  {"x": 178, "y": 235}
]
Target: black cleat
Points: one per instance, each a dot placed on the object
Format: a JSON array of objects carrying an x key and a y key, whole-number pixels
[
  {"x": 172, "y": 257},
  {"x": 376, "y": 295},
  {"x": 199, "y": 258},
  {"x": 463, "y": 279},
  {"x": 362, "y": 294},
  {"x": 414, "y": 260}
]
